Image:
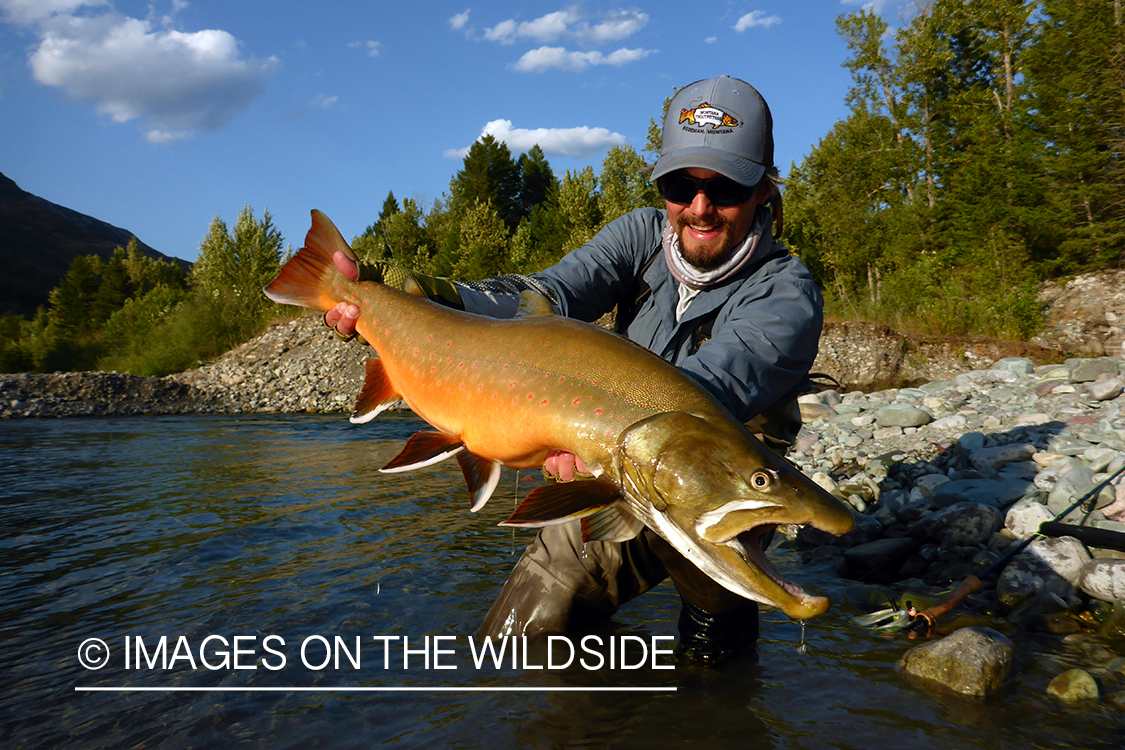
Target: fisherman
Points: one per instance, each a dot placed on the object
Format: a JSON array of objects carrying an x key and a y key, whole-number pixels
[{"x": 703, "y": 284}]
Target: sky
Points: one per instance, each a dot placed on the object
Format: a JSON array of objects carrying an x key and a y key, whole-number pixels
[{"x": 159, "y": 116}]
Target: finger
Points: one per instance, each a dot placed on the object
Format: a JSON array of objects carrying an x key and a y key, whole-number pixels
[
  {"x": 347, "y": 322},
  {"x": 346, "y": 265},
  {"x": 332, "y": 317}
]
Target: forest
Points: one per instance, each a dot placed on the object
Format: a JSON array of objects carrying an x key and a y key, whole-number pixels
[{"x": 983, "y": 152}]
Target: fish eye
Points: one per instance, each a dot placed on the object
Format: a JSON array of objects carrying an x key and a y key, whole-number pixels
[{"x": 761, "y": 480}]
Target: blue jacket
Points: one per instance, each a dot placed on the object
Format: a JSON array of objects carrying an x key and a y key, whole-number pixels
[{"x": 765, "y": 334}]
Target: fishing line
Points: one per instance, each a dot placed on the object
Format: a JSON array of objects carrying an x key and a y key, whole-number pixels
[{"x": 515, "y": 504}]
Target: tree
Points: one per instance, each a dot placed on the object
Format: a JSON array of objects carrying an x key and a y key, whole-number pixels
[
  {"x": 239, "y": 264},
  {"x": 489, "y": 175},
  {"x": 483, "y": 243},
  {"x": 372, "y": 244},
  {"x": 625, "y": 184},
  {"x": 1076, "y": 77},
  {"x": 537, "y": 180},
  {"x": 579, "y": 218}
]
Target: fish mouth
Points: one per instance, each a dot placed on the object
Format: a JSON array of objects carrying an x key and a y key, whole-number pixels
[{"x": 770, "y": 587}]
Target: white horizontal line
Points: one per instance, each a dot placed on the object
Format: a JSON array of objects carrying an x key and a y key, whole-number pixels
[{"x": 395, "y": 689}]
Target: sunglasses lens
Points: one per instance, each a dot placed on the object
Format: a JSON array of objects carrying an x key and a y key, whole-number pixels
[
  {"x": 678, "y": 188},
  {"x": 720, "y": 191},
  {"x": 723, "y": 192}
]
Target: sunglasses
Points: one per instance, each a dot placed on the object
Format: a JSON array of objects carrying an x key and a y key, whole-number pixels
[{"x": 720, "y": 191}]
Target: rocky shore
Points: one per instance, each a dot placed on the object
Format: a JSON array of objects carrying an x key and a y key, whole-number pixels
[{"x": 947, "y": 473}]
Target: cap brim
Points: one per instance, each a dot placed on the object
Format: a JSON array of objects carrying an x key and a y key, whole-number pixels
[{"x": 742, "y": 171}]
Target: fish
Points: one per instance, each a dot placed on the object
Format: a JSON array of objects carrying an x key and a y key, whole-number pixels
[{"x": 662, "y": 451}]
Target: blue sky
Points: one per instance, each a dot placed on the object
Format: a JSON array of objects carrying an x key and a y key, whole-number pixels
[{"x": 159, "y": 116}]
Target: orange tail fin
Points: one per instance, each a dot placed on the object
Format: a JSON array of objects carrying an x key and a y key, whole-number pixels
[{"x": 306, "y": 280}]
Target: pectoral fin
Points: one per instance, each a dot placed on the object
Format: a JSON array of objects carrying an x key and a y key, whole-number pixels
[
  {"x": 424, "y": 449},
  {"x": 376, "y": 395},
  {"x": 558, "y": 503},
  {"x": 534, "y": 305},
  {"x": 482, "y": 476},
  {"x": 613, "y": 524}
]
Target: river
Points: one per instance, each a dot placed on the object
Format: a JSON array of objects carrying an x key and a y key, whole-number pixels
[{"x": 256, "y": 582}]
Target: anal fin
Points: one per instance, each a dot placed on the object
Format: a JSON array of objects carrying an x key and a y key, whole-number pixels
[
  {"x": 424, "y": 449},
  {"x": 558, "y": 503},
  {"x": 481, "y": 475},
  {"x": 377, "y": 394}
]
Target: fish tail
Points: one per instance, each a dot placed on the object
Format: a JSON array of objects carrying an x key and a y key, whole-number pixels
[{"x": 310, "y": 278}]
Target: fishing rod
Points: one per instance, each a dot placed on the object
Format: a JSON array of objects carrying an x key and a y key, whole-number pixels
[{"x": 924, "y": 620}]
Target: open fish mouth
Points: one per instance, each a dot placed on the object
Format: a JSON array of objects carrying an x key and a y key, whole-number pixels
[
  {"x": 753, "y": 543},
  {"x": 773, "y": 589}
]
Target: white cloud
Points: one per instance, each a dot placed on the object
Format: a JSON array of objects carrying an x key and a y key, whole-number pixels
[
  {"x": 323, "y": 101},
  {"x": 568, "y": 24},
  {"x": 571, "y": 142},
  {"x": 619, "y": 25},
  {"x": 174, "y": 82},
  {"x": 373, "y": 47},
  {"x": 458, "y": 21},
  {"x": 876, "y": 6},
  {"x": 503, "y": 32},
  {"x": 756, "y": 18},
  {"x": 545, "y": 58},
  {"x": 711, "y": 40},
  {"x": 26, "y": 12}
]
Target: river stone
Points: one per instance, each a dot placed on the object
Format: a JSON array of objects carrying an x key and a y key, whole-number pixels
[
  {"x": 1088, "y": 370},
  {"x": 971, "y": 442},
  {"x": 1106, "y": 390},
  {"x": 1072, "y": 485},
  {"x": 1063, "y": 555},
  {"x": 867, "y": 529},
  {"x": 1073, "y": 686},
  {"x": 984, "y": 377},
  {"x": 995, "y": 492},
  {"x": 972, "y": 661},
  {"x": 879, "y": 559},
  {"x": 1021, "y": 365},
  {"x": 1023, "y": 518},
  {"x": 962, "y": 523},
  {"x": 996, "y": 457},
  {"x": 902, "y": 415},
  {"x": 1103, "y": 579}
]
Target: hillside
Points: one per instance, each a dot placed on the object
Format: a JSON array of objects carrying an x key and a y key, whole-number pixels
[{"x": 39, "y": 239}]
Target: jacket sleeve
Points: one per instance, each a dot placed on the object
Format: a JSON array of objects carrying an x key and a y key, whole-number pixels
[
  {"x": 764, "y": 341},
  {"x": 588, "y": 281}
]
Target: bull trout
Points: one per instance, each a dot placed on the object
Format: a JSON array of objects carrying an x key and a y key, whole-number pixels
[{"x": 664, "y": 453}]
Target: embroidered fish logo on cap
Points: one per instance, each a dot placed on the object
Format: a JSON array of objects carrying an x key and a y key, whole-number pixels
[{"x": 705, "y": 114}]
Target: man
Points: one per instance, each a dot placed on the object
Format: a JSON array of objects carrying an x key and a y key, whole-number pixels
[{"x": 702, "y": 284}]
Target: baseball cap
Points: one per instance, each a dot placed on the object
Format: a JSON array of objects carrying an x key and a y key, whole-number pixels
[{"x": 722, "y": 124}]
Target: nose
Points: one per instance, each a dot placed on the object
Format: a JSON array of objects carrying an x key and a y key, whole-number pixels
[{"x": 699, "y": 205}]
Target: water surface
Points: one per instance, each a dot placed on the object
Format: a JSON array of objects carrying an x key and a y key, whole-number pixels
[{"x": 252, "y": 527}]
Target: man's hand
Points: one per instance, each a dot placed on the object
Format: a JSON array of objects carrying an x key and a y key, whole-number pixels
[
  {"x": 343, "y": 316},
  {"x": 563, "y": 466}
]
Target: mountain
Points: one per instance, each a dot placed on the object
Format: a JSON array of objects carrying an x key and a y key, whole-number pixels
[{"x": 39, "y": 239}]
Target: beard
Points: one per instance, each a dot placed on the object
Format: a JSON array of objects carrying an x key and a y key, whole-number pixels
[{"x": 709, "y": 254}]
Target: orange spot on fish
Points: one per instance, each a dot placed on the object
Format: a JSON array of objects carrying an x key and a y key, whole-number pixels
[
  {"x": 544, "y": 402},
  {"x": 576, "y": 401},
  {"x": 597, "y": 411}
]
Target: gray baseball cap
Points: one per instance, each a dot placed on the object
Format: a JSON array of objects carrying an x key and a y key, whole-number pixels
[{"x": 722, "y": 124}]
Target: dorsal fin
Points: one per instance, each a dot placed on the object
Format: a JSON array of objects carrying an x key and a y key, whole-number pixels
[
  {"x": 562, "y": 502},
  {"x": 481, "y": 475},
  {"x": 533, "y": 305},
  {"x": 612, "y": 524},
  {"x": 423, "y": 449},
  {"x": 377, "y": 394}
]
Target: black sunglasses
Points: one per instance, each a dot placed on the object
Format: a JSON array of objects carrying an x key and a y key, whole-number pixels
[{"x": 720, "y": 191}]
